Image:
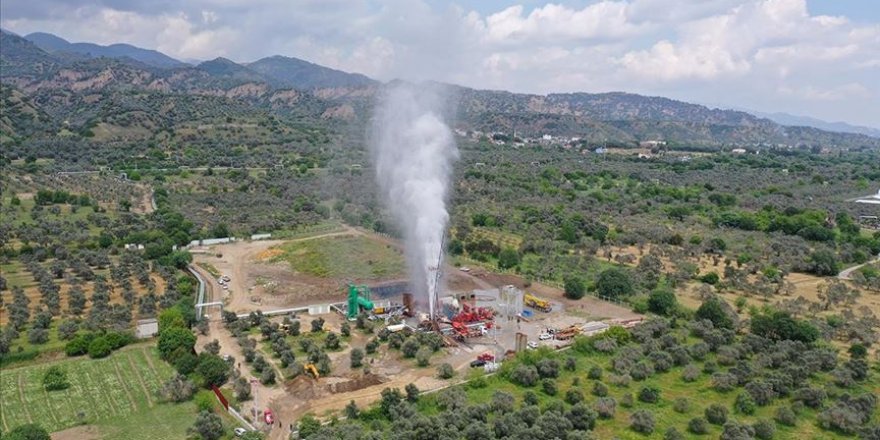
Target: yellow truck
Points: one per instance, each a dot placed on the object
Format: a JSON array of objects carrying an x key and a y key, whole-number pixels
[{"x": 537, "y": 303}]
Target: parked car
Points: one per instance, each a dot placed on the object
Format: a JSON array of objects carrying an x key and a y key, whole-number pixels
[
  {"x": 239, "y": 431},
  {"x": 477, "y": 363},
  {"x": 269, "y": 417},
  {"x": 532, "y": 344},
  {"x": 545, "y": 336}
]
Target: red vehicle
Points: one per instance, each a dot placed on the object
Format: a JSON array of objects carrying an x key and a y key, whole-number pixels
[
  {"x": 269, "y": 417},
  {"x": 486, "y": 357}
]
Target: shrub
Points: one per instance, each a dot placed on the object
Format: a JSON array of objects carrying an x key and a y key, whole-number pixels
[
  {"x": 642, "y": 421},
  {"x": 423, "y": 356},
  {"x": 79, "y": 345},
  {"x": 208, "y": 425},
  {"x": 764, "y": 429},
  {"x": 744, "y": 404},
  {"x": 627, "y": 400},
  {"x": 55, "y": 379},
  {"x": 30, "y": 431},
  {"x": 649, "y": 394},
  {"x": 736, "y": 431},
  {"x": 548, "y": 368},
  {"x": 99, "y": 348},
  {"x": 812, "y": 397},
  {"x": 690, "y": 373},
  {"x": 673, "y": 434},
  {"x": 698, "y": 426},
  {"x": 573, "y": 396},
  {"x": 641, "y": 371},
  {"x": 331, "y": 341},
  {"x": 267, "y": 377},
  {"x": 410, "y": 347},
  {"x": 595, "y": 373},
  {"x": 582, "y": 417},
  {"x": 681, "y": 405},
  {"x": 549, "y": 386},
  {"x": 606, "y": 407},
  {"x": 357, "y": 358},
  {"x": 600, "y": 389},
  {"x": 525, "y": 375},
  {"x": 178, "y": 389},
  {"x": 785, "y": 416},
  {"x": 716, "y": 414},
  {"x": 445, "y": 371}
]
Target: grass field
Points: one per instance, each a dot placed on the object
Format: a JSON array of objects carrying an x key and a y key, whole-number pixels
[
  {"x": 117, "y": 392},
  {"x": 354, "y": 258}
]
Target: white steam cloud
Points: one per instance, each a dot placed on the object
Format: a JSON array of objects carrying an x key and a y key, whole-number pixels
[{"x": 413, "y": 150}]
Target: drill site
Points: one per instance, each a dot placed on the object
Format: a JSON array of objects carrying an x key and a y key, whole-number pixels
[{"x": 479, "y": 319}]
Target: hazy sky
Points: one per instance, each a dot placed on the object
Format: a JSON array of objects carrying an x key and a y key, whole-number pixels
[{"x": 818, "y": 58}]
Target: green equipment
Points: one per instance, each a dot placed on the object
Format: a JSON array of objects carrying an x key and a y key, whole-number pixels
[{"x": 358, "y": 298}]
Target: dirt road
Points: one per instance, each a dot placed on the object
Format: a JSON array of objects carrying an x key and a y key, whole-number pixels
[{"x": 846, "y": 274}]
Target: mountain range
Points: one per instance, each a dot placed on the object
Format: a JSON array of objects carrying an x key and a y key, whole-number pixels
[{"x": 59, "y": 78}]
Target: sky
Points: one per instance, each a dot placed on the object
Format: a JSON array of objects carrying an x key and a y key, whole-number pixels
[{"x": 818, "y": 58}]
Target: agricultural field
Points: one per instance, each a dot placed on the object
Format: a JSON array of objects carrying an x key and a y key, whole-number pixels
[
  {"x": 353, "y": 258},
  {"x": 119, "y": 389},
  {"x": 600, "y": 384}
]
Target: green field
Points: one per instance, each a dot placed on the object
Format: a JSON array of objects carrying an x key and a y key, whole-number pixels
[
  {"x": 117, "y": 392},
  {"x": 350, "y": 258}
]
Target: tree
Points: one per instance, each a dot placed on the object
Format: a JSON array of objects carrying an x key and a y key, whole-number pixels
[
  {"x": 208, "y": 426},
  {"x": 331, "y": 342},
  {"x": 170, "y": 339},
  {"x": 345, "y": 329},
  {"x": 614, "y": 283},
  {"x": 508, "y": 258},
  {"x": 267, "y": 377},
  {"x": 177, "y": 389},
  {"x": 716, "y": 310},
  {"x": 357, "y": 358},
  {"x": 242, "y": 389},
  {"x": 308, "y": 425},
  {"x": 351, "y": 410},
  {"x": 582, "y": 417},
  {"x": 698, "y": 426},
  {"x": 423, "y": 356},
  {"x": 213, "y": 347},
  {"x": 213, "y": 370},
  {"x": 642, "y": 421},
  {"x": 780, "y": 326},
  {"x": 662, "y": 302},
  {"x": 649, "y": 394},
  {"x": 445, "y": 371},
  {"x": 716, "y": 414},
  {"x": 574, "y": 287},
  {"x": 317, "y": 325},
  {"x": 30, "y": 431},
  {"x": 824, "y": 263},
  {"x": 764, "y": 429},
  {"x": 412, "y": 393}
]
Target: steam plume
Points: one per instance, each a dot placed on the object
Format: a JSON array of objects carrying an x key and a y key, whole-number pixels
[{"x": 413, "y": 150}]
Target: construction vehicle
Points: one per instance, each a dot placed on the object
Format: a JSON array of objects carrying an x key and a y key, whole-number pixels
[
  {"x": 537, "y": 303},
  {"x": 465, "y": 331},
  {"x": 568, "y": 333},
  {"x": 312, "y": 370},
  {"x": 471, "y": 314}
]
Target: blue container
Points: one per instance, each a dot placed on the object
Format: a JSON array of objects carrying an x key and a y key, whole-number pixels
[{"x": 527, "y": 313}]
